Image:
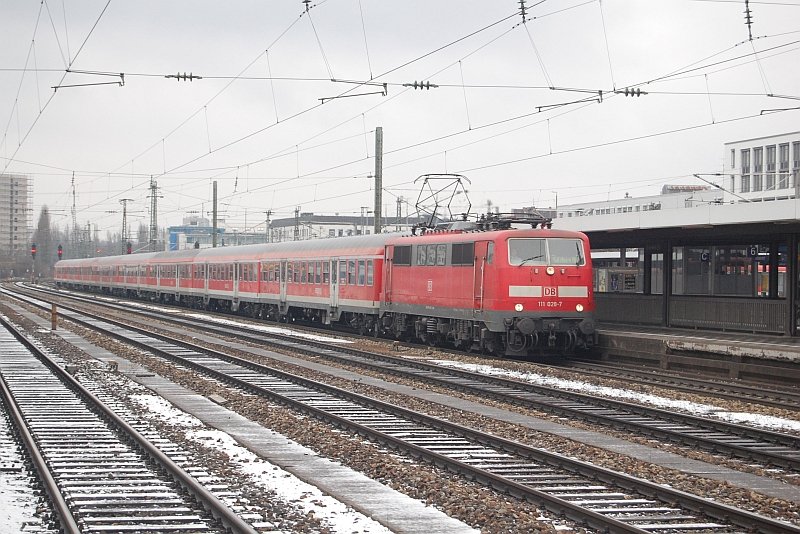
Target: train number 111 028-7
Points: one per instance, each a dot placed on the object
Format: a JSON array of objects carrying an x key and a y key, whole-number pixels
[{"x": 550, "y": 304}]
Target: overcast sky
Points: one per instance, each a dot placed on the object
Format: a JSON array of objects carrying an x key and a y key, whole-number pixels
[{"x": 261, "y": 121}]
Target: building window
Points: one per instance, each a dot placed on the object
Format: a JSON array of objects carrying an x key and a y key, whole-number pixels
[
  {"x": 783, "y": 154},
  {"x": 745, "y": 183},
  {"x": 733, "y": 158},
  {"x": 771, "y": 158},
  {"x": 756, "y": 182},
  {"x": 745, "y": 161},
  {"x": 758, "y": 159},
  {"x": 784, "y": 157},
  {"x": 770, "y": 185}
]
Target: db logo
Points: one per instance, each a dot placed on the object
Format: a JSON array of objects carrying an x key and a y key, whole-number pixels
[{"x": 550, "y": 292}]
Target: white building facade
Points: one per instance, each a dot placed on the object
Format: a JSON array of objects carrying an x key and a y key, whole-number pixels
[{"x": 764, "y": 168}]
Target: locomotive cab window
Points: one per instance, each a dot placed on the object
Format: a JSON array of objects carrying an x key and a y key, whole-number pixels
[
  {"x": 566, "y": 252},
  {"x": 552, "y": 251},
  {"x": 527, "y": 252}
]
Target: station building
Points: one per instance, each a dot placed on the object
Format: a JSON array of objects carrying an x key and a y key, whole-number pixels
[{"x": 701, "y": 256}]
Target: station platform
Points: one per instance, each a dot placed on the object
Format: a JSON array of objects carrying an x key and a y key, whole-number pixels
[{"x": 738, "y": 355}]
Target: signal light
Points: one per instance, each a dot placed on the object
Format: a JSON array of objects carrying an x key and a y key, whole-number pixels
[
  {"x": 60, "y": 251},
  {"x": 33, "y": 251},
  {"x": 128, "y": 248}
]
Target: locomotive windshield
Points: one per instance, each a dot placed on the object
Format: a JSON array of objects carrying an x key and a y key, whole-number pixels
[{"x": 551, "y": 251}]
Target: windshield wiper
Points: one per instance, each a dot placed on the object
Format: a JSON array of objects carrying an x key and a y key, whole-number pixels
[
  {"x": 523, "y": 262},
  {"x": 580, "y": 256}
]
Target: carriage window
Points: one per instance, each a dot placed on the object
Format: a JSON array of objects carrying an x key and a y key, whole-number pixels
[
  {"x": 421, "y": 255},
  {"x": 342, "y": 272},
  {"x": 362, "y": 272},
  {"x": 370, "y": 273},
  {"x": 326, "y": 275},
  {"x": 318, "y": 275},
  {"x": 303, "y": 268},
  {"x": 289, "y": 272},
  {"x": 441, "y": 254},
  {"x": 402, "y": 255},
  {"x": 351, "y": 272}
]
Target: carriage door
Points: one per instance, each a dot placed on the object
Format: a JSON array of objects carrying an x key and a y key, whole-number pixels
[
  {"x": 283, "y": 282},
  {"x": 334, "y": 287},
  {"x": 388, "y": 262},
  {"x": 479, "y": 276},
  {"x": 236, "y": 274}
]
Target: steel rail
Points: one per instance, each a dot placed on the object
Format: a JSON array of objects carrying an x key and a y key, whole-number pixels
[
  {"x": 696, "y": 504},
  {"x": 515, "y": 394},
  {"x": 211, "y": 503},
  {"x": 67, "y": 521}
]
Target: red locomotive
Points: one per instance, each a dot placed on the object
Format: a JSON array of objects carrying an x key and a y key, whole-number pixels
[{"x": 484, "y": 286}]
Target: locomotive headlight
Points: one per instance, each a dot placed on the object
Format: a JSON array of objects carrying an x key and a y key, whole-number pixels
[
  {"x": 551, "y": 271},
  {"x": 519, "y": 307},
  {"x": 579, "y": 307}
]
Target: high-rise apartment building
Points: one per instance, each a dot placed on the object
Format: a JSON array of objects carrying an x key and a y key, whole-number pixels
[{"x": 16, "y": 213}]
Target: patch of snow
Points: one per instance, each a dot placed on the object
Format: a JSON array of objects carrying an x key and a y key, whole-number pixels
[
  {"x": 703, "y": 410},
  {"x": 337, "y": 516}
]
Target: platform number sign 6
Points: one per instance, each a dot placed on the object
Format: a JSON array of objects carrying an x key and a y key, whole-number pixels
[{"x": 752, "y": 251}]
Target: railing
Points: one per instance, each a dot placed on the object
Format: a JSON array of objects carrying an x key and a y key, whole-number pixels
[
  {"x": 629, "y": 308},
  {"x": 703, "y": 312},
  {"x": 747, "y": 315}
]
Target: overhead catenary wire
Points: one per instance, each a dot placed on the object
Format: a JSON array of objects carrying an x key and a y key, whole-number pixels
[
  {"x": 462, "y": 85},
  {"x": 52, "y": 96},
  {"x": 608, "y": 49}
]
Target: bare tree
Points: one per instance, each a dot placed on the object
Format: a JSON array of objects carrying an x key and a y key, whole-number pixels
[{"x": 45, "y": 248}]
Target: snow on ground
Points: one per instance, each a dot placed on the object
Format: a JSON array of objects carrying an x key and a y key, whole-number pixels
[
  {"x": 703, "y": 410},
  {"x": 294, "y": 492}
]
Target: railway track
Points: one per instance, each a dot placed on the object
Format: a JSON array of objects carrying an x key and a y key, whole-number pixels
[
  {"x": 757, "y": 394},
  {"x": 100, "y": 474},
  {"x": 20, "y": 491},
  {"x": 770, "y": 449},
  {"x": 763, "y": 394},
  {"x": 595, "y": 497}
]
